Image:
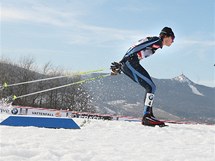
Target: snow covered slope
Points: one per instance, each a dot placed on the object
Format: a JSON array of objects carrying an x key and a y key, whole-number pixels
[
  {"x": 183, "y": 79},
  {"x": 108, "y": 141}
]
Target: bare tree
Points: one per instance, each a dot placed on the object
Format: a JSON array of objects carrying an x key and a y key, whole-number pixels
[{"x": 73, "y": 97}]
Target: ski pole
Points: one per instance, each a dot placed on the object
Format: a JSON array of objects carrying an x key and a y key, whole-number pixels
[
  {"x": 14, "y": 97},
  {"x": 5, "y": 85}
]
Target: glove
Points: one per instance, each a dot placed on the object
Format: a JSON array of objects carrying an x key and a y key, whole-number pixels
[{"x": 116, "y": 68}]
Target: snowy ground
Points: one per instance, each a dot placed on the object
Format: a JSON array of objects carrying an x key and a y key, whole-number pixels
[{"x": 109, "y": 141}]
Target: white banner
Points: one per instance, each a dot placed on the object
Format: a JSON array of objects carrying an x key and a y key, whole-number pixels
[
  {"x": 9, "y": 110},
  {"x": 18, "y": 110},
  {"x": 46, "y": 112}
]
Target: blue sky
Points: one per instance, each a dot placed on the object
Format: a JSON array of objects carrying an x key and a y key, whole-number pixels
[{"x": 80, "y": 35}]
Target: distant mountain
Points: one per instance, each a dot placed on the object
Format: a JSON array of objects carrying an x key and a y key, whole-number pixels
[{"x": 177, "y": 98}]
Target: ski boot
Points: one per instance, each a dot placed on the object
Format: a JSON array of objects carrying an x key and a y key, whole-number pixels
[{"x": 149, "y": 120}]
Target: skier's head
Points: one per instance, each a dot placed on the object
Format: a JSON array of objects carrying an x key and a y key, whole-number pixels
[{"x": 167, "y": 36}]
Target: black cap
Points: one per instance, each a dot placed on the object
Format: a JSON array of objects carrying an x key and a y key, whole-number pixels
[{"x": 168, "y": 32}]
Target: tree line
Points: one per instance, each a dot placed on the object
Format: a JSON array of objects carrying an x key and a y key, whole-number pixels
[{"x": 75, "y": 97}]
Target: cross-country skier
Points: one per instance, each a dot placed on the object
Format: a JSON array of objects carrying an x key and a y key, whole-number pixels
[{"x": 130, "y": 65}]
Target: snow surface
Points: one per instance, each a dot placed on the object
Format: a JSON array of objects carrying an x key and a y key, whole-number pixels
[
  {"x": 101, "y": 140},
  {"x": 195, "y": 90},
  {"x": 183, "y": 79}
]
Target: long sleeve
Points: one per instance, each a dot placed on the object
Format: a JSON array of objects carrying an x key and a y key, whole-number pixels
[{"x": 144, "y": 48}]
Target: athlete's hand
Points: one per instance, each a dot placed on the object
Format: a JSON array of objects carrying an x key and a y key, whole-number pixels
[{"x": 116, "y": 68}]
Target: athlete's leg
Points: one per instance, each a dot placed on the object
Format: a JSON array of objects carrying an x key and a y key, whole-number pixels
[{"x": 137, "y": 73}]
